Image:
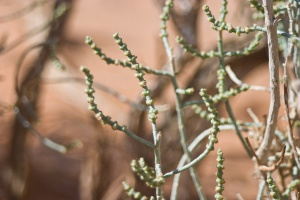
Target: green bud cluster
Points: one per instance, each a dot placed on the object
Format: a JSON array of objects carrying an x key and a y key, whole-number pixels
[
  {"x": 152, "y": 115},
  {"x": 214, "y": 119},
  {"x": 164, "y": 17},
  {"x": 297, "y": 123},
  {"x": 123, "y": 46},
  {"x": 109, "y": 61},
  {"x": 255, "y": 4},
  {"x": 224, "y": 10},
  {"x": 221, "y": 25},
  {"x": 55, "y": 60},
  {"x": 232, "y": 92},
  {"x": 273, "y": 191},
  {"x": 208, "y": 116},
  {"x": 221, "y": 79},
  {"x": 279, "y": 7},
  {"x": 209, "y": 15},
  {"x": 220, "y": 181},
  {"x": 249, "y": 49},
  {"x": 204, "y": 55},
  {"x": 146, "y": 173},
  {"x": 202, "y": 113},
  {"x": 188, "y": 91},
  {"x": 132, "y": 193},
  {"x": 193, "y": 51},
  {"x": 290, "y": 188},
  {"x": 98, "y": 51},
  {"x": 93, "y": 106}
]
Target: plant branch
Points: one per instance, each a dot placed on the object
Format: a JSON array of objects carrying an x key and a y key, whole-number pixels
[
  {"x": 191, "y": 147},
  {"x": 58, "y": 13},
  {"x": 237, "y": 81},
  {"x": 22, "y": 12},
  {"x": 222, "y": 89},
  {"x": 269, "y": 135},
  {"x": 47, "y": 142},
  {"x": 181, "y": 125},
  {"x": 99, "y": 114}
]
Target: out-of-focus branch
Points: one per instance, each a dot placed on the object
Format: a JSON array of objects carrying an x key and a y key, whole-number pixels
[
  {"x": 29, "y": 86},
  {"x": 47, "y": 142},
  {"x": 56, "y": 15},
  {"x": 101, "y": 87},
  {"x": 22, "y": 12}
]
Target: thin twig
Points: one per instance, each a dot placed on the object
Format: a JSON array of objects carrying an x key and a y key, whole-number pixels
[
  {"x": 181, "y": 125},
  {"x": 251, "y": 148},
  {"x": 239, "y": 196},
  {"x": 275, "y": 165},
  {"x": 227, "y": 104},
  {"x": 181, "y": 167},
  {"x": 261, "y": 189},
  {"x": 47, "y": 142},
  {"x": 184, "y": 159},
  {"x": 252, "y": 115},
  {"x": 21, "y": 60},
  {"x": 257, "y": 135},
  {"x": 237, "y": 81},
  {"x": 114, "y": 93}
]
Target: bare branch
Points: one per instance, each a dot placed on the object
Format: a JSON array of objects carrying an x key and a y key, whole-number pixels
[{"x": 270, "y": 24}]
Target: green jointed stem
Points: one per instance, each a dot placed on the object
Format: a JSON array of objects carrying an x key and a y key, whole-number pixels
[
  {"x": 220, "y": 181},
  {"x": 99, "y": 114},
  {"x": 147, "y": 173},
  {"x": 182, "y": 132},
  {"x": 293, "y": 184},
  {"x": 124, "y": 63},
  {"x": 213, "y": 134},
  {"x": 255, "y": 4},
  {"x": 223, "y": 11},
  {"x": 273, "y": 190},
  {"x": 152, "y": 115},
  {"x": 222, "y": 83},
  {"x": 132, "y": 193},
  {"x": 221, "y": 25},
  {"x": 247, "y": 50},
  {"x": 193, "y": 51}
]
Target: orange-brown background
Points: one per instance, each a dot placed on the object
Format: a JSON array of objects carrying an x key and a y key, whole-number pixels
[{"x": 62, "y": 108}]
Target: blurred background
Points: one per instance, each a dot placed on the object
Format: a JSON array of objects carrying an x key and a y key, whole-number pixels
[{"x": 41, "y": 50}]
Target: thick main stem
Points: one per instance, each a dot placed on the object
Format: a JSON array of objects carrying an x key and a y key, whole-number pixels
[{"x": 270, "y": 24}]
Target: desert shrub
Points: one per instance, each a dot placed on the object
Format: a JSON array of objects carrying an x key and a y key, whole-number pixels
[{"x": 272, "y": 145}]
